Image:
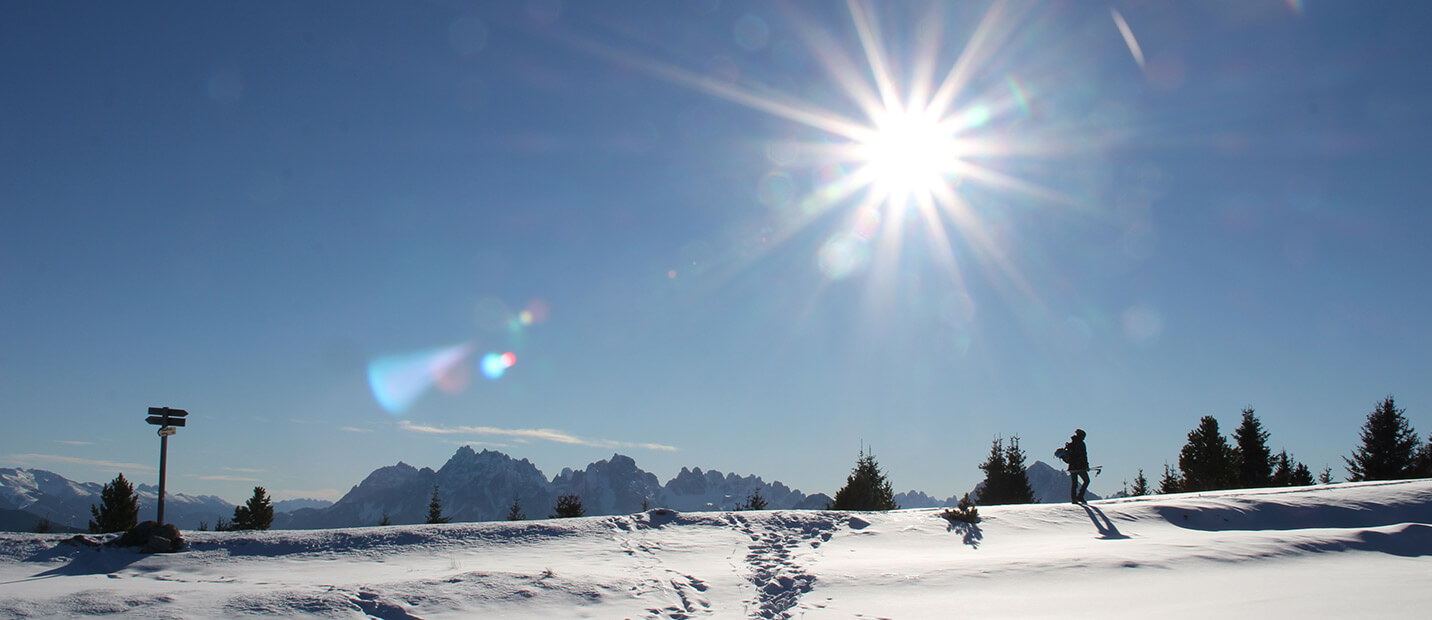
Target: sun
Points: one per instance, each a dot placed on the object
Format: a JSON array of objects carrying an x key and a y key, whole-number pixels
[{"x": 909, "y": 154}]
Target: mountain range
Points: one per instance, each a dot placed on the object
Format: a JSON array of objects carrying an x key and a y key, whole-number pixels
[
  {"x": 29, "y": 495},
  {"x": 471, "y": 486}
]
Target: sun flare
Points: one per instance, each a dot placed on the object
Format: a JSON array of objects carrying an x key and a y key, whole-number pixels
[{"x": 909, "y": 154}]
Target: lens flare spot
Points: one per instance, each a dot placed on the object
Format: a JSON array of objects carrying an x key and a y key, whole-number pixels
[
  {"x": 397, "y": 381},
  {"x": 1142, "y": 325},
  {"x": 751, "y": 32},
  {"x": 494, "y": 365},
  {"x": 538, "y": 310},
  {"x": 867, "y": 223},
  {"x": 777, "y": 190},
  {"x": 453, "y": 378},
  {"x": 976, "y": 116},
  {"x": 843, "y": 255}
]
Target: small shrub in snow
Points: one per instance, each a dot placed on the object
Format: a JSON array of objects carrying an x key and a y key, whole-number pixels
[{"x": 964, "y": 512}]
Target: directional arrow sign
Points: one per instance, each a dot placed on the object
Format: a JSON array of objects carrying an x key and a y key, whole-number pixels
[
  {"x": 165, "y": 411},
  {"x": 164, "y": 421}
]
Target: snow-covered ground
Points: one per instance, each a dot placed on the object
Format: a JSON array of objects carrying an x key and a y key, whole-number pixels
[{"x": 1354, "y": 550}]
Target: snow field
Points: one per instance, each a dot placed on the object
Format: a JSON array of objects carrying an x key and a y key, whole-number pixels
[{"x": 1358, "y": 550}]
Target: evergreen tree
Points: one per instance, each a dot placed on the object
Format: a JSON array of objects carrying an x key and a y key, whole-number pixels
[
  {"x": 754, "y": 501},
  {"x": 1254, "y": 460},
  {"x": 1389, "y": 445},
  {"x": 1005, "y": 479},
  {"x": 1327, "y": 476},
  {"x": 1288, "y": 472},
  {"x": 44, "y": 526},
  {"x": 1424, "y": 459},
  {"x": 1141, "y": 485},
  {"x": 1206, "y": 461},
  {"x": 514, "y": 512},
  {"x": 1170, "y": 482},
  {"x": 568, "y": 506},
  {"x": 1282, "y": 470},
  {"x": 385, "y": 521},
  {"x": 203, "y": 526},
  {"x": 865, "y": 489},
  {"x": 255, "y": 514},
  {"x": 435, "y": 509},
  {"x": 118, "y": 508}
]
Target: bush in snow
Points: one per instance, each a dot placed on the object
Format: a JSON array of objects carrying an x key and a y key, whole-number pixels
[{"x": 964, "y": 512}]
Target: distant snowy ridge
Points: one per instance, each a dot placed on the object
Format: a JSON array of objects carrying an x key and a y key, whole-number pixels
[
  {"x": 481, "y": 486},
  {"x": 472, "y": 486},
  {"x": 64, "y": 502}
]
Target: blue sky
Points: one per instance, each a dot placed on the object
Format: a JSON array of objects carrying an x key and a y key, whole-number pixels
[{"x": 318, "y": 227}]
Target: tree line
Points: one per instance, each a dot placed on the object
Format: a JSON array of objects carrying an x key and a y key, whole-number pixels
[{"x": 1389, "y": 449}]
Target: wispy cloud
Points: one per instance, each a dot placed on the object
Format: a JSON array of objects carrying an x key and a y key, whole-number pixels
[
  {"x": 243, "y": 470},
  {"x": 354, "y": 429},
  {"x": 76, "y": 443},
  {"x": 227, "y": 478},
  {"x": 32, "y": 459},
  {"x": 539, "y": 434}
]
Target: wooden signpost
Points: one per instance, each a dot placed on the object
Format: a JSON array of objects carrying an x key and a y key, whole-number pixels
[{"x": 167, "y": 419}]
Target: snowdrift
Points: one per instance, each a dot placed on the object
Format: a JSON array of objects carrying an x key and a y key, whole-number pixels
[{"x": 1360, "y": 550}]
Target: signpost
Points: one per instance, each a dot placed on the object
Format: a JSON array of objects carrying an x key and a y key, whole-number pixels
[{"x": 167, "y": 419}]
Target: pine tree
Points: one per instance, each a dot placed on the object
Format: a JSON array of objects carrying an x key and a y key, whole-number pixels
[
  {"x": 385, "y": 521},
  {"x": 1388, "y": 450},
  {"x": 1020, "y": 491},
  {"x": 1424, "y": 459},
  {"x": 1288, "y": 472},
  {"x": 1327, "y": 476},
  {"x": 1254, "y": 460},
  {"x": 568, "y": 507},
  {"x": 1141, "y": 485},
  {"x": 1206, "y": 460},
  {"x": 1170, "y": 482},
  {"x": 514, "y": 513},
  {"x": 255, "y": 514},
  {"x": 865, "y": 489},
  {"x": 118, "y": 508},
  {"x": 754, "y": 501},
  {"x": 1282, "y": 471},
  {"x": 1005, "y": 479},
  {"x": 44, "y": 526},
  {"x": 435, "y": 509}
]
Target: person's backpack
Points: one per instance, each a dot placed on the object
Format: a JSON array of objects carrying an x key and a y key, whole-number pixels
[{"x": 1062, "y": 454}]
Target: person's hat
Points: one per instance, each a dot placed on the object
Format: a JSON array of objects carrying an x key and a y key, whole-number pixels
[{"x": 1079, "y": 432}]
